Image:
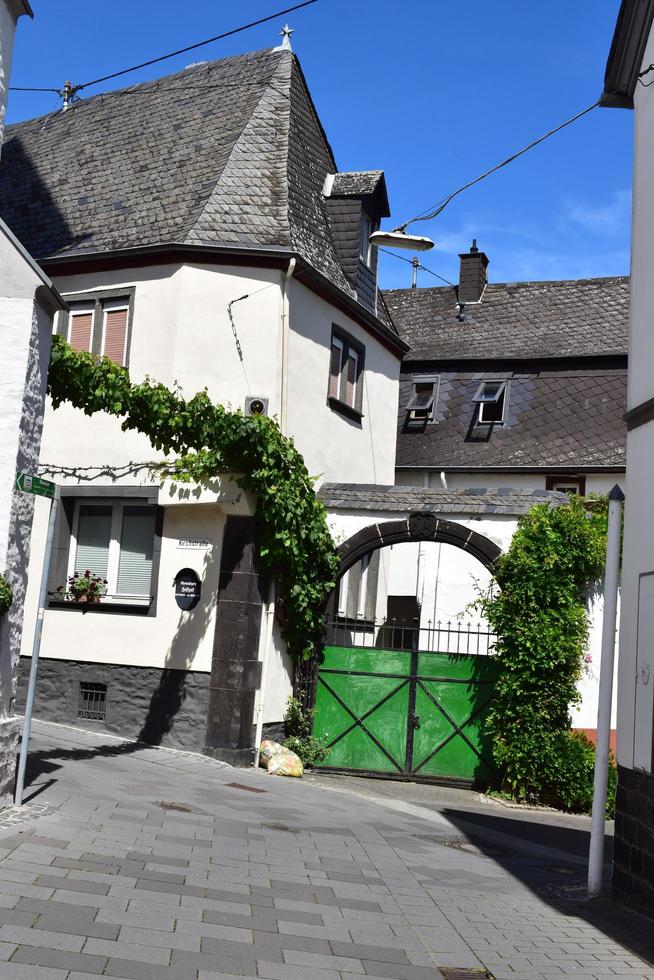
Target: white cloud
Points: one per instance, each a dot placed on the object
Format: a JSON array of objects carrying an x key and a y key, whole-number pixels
[{"x": 604, "y": 219}]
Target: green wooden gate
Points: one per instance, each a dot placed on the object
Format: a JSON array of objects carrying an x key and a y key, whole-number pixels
[{"x": 406, "y": 714}]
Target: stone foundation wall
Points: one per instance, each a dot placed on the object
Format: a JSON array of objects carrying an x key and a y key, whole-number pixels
[
  {"x": 9, "y": 734},
  {"x": 162, "y": 707},
  {"x": 633, "y": 851}
]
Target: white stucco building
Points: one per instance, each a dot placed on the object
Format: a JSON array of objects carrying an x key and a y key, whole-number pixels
[
  {"x": 208, "y": 242},
  {"x": 631, "y": 56}
]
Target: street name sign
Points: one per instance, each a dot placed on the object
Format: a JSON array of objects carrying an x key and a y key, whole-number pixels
[{"x": 29, "y": 483}]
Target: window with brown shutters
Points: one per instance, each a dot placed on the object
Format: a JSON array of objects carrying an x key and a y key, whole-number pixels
[
  {"x": 351, "y": 366},
  {"x": 335, "y": 368},
  {"x": 80, "y": 329},
  {"x": 345, "y": 389},
  {"x": 114, "y": 333},
  {"x": 99, "y": 322}
]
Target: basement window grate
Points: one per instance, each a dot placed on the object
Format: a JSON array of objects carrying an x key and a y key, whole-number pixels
[
  {"x": 461, "y": 973},
  {"x": 92, "y": 701}
]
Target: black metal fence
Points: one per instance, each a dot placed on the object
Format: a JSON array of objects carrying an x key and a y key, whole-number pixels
[{"x": 452, "y": 636}]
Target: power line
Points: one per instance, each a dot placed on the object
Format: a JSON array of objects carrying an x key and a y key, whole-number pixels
[
  {"x": 19, "y": 88},
  {"x": 422, "y": 267},
  {"x": 172, "y": 54},
  {"x": 442, "y": 204}
]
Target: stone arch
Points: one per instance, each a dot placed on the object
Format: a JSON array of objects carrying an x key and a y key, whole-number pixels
[{"x": 418, "y": 526}]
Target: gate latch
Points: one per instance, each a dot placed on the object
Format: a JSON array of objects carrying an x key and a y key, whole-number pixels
[{"x": 415, "y": 721}]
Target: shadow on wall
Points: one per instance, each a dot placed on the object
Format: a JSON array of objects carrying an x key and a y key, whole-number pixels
[{"x": 169, "y": 697}]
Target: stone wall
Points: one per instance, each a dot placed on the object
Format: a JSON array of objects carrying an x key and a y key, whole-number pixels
[
  {"x": 633, "y": 852},
  {"x": 162, "y": 707}
]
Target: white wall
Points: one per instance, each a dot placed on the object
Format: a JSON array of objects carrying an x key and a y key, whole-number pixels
[
  {"x": 181, "y": 332},
  {"x": 446, "y": 580},
  {"x": 595, "y": 482},
  {"x": 636, "y": 665},
  {"x": 336, "y": 448}
]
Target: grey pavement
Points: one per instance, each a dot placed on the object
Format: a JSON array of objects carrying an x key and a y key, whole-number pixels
[{"x": 134, "y": 862}]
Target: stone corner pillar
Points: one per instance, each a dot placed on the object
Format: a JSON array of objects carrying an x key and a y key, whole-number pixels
[{"x": 235, "y": 666}]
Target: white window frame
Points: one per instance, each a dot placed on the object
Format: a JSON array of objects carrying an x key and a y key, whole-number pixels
[
  {"x": 113, "y": 562},
  {"x": 565, "y": 486},
  {"x": 78, "y": 309},
  {"x": 481, "y": 399},
  {"x": 365, "y": 248},
  {"x": 120, "y": 303},
  {"x": 421, "y": 414}
]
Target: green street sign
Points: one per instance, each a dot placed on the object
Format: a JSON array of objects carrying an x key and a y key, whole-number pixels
[{"x": 34, "y": 484}]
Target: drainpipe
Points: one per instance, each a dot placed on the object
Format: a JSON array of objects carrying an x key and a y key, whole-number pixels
[
  {"x": 283, "y": 410},
  {"x": 266, "y": 654},
  {"x": 602, "y": 738}
]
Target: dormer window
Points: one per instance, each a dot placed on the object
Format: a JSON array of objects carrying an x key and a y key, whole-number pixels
[
  {"x": 490, "y": 398},
  {"x": 365, "y": 248},
  {"x": 422, "y": 404}
]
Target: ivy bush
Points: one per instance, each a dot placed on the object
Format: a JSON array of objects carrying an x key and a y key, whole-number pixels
[
  {"x": 294, "y": 543},
  {"x": 6, "y": 595},
  {"x": 537, "y": 606}
]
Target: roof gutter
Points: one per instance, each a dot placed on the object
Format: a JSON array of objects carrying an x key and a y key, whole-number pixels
[
  {"x": 58, "y": 301},
  {"x": 279, "y": 256},
  {"x": 625, "y": 59}
]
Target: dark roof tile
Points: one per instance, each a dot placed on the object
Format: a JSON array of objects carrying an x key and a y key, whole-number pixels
[
  {"x": 568, "y": 318},
  {"x": 229, "y": 152}
]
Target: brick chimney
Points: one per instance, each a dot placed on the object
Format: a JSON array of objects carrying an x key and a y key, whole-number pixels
[{"x": 472, "y": 274}]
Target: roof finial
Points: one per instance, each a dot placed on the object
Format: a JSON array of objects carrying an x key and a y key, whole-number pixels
[{"x": 285, "y": 35}]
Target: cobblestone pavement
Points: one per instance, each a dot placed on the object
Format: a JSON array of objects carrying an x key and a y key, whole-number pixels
[{"x": 154, "y": 865}]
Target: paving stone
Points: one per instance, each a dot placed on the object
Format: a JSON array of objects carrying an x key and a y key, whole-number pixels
[
  {"x": 41, "y": 937},
  {"x": 127, "y": 951},
  {"x": 58, "y": 958}
]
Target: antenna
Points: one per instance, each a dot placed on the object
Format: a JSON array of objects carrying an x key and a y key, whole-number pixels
[{"x": 415, "y": 263}]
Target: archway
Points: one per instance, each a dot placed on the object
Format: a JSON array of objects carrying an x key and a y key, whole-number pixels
[
  {"x": 399, "y": 700},
  {"x": 418, "y": 526}
]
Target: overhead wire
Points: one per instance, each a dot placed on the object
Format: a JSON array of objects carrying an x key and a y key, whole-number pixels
[
  {"x": 172, "y": 54},
  {"x": 443, "y": 203},
  {"x": 422, "y": 267}
]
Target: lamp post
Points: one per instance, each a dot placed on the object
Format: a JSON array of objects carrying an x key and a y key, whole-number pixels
[{"x": 399, "y": 239}]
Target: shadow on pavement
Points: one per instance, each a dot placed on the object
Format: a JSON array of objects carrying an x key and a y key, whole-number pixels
[{"x": 515, "y": 845}]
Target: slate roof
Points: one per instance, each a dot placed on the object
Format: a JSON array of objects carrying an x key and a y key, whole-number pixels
[
  {"x": 229, "y": 152},
  {"x": 406, "y": 500},
  {"x": 356, "y": 182},
  {"x": 556, "y": 418},
  {"x": 569, "y": 318}
]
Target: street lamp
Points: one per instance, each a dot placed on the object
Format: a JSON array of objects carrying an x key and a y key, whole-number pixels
[{"x": 399, "y": 239}]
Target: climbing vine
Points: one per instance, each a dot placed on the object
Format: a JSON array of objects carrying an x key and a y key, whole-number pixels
[
  {"x": 294, "y": 543},
  {"x": 537, "y": 606},
  {"x": 6, "y": 595}
]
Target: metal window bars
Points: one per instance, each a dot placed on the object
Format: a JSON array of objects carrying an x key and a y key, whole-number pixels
[
  {"x": 450, "y": 637},
  {"x": 92, "y": 703}
]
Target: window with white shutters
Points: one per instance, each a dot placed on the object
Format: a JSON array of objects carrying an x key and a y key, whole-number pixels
[
  {"x": 136, "y": 544},
  {"x": 115, "y": 541},
  {"x": 93, "y": 539}
]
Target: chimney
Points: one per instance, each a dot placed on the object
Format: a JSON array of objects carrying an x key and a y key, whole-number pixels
[{"x": 472, "y": 274}]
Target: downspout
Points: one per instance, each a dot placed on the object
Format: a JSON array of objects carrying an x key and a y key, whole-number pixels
[
  {"x": 285, "y": 326},
  {"x": 266, "y": 654}
]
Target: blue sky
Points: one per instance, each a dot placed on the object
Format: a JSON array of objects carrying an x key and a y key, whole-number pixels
[{"x": 432, "y": 91}]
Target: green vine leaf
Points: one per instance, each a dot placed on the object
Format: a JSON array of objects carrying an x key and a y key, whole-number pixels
[{"x": 294, "y": 543}]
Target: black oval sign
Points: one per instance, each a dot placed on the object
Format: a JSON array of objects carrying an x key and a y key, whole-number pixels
[{"x": 187, "y": 588}]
